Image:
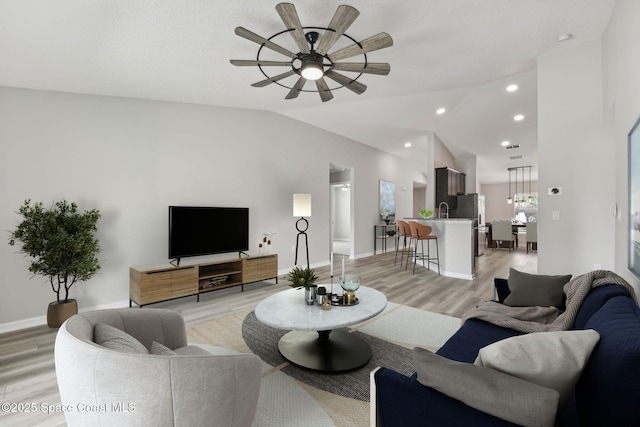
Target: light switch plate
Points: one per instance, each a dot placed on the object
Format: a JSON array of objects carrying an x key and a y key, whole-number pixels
[{"x": 555, "y": 215}]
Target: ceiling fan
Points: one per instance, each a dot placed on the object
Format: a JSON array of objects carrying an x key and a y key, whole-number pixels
[{"x": 313, "y": 61}]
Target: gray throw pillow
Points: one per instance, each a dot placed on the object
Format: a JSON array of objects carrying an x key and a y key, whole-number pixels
[
  {"x": 161, "y": 349},
  {"x": 493, "y": 392},
  {"x": 531, "y": 290},
  {"x": 550, "y": 359},
  {"x": 116, "y": 339}
]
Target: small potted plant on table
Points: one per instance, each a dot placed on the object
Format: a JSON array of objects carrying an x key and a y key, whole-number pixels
[{"x": 304, "y": 277}]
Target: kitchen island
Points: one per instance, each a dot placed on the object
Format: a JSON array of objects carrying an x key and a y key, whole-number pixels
[{"x": 455, "y": 243}]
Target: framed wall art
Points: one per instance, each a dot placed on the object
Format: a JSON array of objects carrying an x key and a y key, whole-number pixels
[
  {"x": 387, "y": 205},
  {"x": 634, "y": 198}
]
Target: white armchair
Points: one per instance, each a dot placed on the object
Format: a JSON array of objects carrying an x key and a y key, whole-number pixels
[{"x": 104, "y": 387}]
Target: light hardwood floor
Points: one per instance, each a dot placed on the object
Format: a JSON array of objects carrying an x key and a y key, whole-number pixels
[{"x": 27, "y": 372}]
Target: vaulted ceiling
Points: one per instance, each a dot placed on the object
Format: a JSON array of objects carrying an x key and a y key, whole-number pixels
[{"x": 455, "y": 54}]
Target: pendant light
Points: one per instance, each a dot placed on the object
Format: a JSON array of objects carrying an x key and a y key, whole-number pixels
[
  {"x": 522, "y": 194},
  {"x": 515, "y": 195},
  {"x": 523, "y": 187},
  {"x": 530, "y": 198},
  {"x": 509, "y": 201}
]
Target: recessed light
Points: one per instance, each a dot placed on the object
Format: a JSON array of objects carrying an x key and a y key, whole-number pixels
[
  {"x": 563, "y": 38},
  {"x": 518, "y": 117},
  {"x": 441, "y": 110},
  {"x": 512, "y": 88},
  {"x": 407, "y": 144},
  {"x": 505, "y": 143}
]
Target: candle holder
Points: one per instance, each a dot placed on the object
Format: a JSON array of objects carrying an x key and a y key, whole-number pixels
[{"x": 350, "y": 283}]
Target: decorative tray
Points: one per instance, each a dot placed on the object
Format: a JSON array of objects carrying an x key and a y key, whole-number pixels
[{"x": 341, "y": 302}]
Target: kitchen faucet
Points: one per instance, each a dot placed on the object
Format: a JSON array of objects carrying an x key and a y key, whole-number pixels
[{"x": 446, "y": 210}]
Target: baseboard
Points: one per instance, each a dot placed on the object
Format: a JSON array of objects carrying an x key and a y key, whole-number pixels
[
  {"x": 459, "y": 275},
  {"x": 42, "y": 320},
  {"x": 23, "y": 324},
  {"x": 366, "y": 255}
]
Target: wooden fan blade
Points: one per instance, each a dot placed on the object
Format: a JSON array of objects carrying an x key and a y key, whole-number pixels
[
  {"x": 273, "y": 79},
  {"x": 244, "y": 33},
  {"x": 249, "y": 62},
  {"x": 349, "y": 83},
  {"x": 289, "y": 16},
  {"x": 342, "y": 19},
  {"x": 323, "y": 90},
  {"x": 361, "y": 67},
  {"x": 379, "y": 41},
  {"x": 295, "y": 90}
]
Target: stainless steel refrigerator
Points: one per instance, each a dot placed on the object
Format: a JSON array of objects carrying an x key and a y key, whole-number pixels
[{"x": 467, "y": 207}]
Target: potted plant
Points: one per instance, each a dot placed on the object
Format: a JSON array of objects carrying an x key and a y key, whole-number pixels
[
  {"x": 304, "y": 277},
  {"x": 386, "y": 215},
  {"x": 63, "y": 247}
]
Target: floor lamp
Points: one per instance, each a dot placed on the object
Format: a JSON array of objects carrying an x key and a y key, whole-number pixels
[{"x": 302, "y": 208}]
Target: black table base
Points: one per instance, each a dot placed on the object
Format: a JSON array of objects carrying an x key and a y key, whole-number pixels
[{"x": 329, "y": 351}]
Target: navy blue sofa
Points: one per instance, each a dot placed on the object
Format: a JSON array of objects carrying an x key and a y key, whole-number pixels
[{"x": 607, "y": 394}]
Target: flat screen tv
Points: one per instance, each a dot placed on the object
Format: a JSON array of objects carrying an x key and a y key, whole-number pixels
[{"x": 195, "y": 231}]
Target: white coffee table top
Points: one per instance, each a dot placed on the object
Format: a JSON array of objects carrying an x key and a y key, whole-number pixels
[{"x": 287, "y": 310}]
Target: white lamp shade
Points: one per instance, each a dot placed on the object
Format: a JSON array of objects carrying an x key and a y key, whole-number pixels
[{"x": 302, "y": 205}]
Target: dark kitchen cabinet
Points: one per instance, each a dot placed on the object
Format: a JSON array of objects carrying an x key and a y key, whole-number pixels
[{"x": 449, "y": 183}]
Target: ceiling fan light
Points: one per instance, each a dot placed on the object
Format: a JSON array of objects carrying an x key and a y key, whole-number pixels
[{"x": 312, "y": 70}]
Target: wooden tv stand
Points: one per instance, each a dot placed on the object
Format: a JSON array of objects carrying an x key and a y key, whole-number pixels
[{"x": 154, "y": 283}]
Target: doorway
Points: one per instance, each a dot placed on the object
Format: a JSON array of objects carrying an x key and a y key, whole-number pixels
[
  {"x": 419, "y": 198},
  {"x": 341, "y": 208}
]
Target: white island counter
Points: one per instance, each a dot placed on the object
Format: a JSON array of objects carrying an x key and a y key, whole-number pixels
[{"x": 455, "y": 242}]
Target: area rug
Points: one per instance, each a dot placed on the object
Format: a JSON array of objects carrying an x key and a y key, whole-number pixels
[
  {"x": 263, "y": 340},
  {"x": 292, "y": 396}
]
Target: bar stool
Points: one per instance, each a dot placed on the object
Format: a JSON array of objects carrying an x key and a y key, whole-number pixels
[
  {"x": 404, "y": 233},
  {"x": 420, "y": 233}
]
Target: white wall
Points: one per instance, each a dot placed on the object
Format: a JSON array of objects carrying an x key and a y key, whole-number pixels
[
  {"x": 467, "y": 164},
  {"x": 496, "y": 205},
  {"x": 419, "y": 199},
  {"x": 576, "y": 152},
  {"x": 132, "y": 158},
  {"x": 442, "y": 156},
  {"x": 621, "y": 64},
  {"x": 588, "y": 100}
]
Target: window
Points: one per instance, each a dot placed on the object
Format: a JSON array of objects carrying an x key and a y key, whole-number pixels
[{"x": 523, "y": 208}]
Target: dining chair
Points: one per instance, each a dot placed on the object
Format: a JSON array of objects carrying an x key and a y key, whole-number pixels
[
  {"x": 502, "y": 231},
  {"x": 532, "y": 234}
]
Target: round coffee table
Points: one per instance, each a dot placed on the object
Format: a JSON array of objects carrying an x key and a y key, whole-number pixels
[{"x": 314, "y": 342}]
